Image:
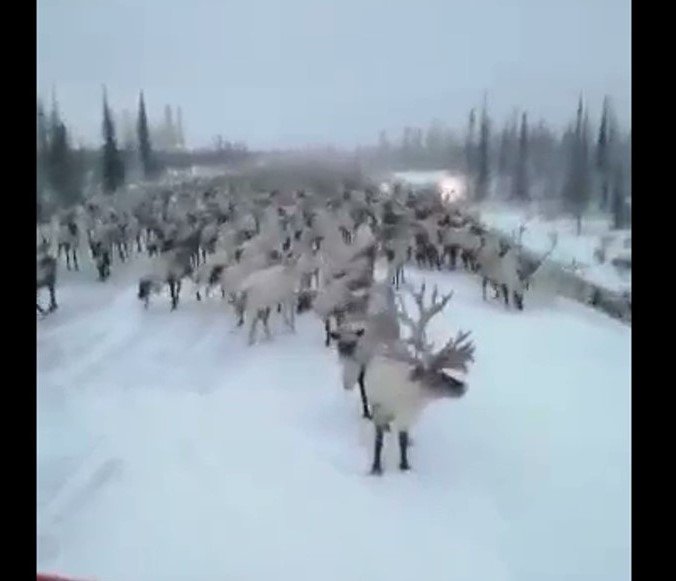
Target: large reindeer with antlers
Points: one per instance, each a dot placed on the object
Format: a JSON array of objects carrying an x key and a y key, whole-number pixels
[{"x": 405, "y": 375}]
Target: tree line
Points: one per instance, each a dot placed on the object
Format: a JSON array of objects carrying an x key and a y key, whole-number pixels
[
  {"x": 65, "y": 172},
  {"x": 580, "y": 168}
]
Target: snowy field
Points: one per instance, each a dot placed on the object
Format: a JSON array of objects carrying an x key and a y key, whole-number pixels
[{"x": 167, "y": 449}]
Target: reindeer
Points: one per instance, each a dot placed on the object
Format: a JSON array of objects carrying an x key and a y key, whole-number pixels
[
  {"x": 171, "y": 269},
  {"x": 267, "y": 288},
  {"x": 69, "y": 241},
  {"x": 405, "y": 375},
  {"x": 46, "y": 278}
]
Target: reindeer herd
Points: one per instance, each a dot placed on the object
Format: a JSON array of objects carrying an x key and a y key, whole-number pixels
[{"x": 288, "y": 254}]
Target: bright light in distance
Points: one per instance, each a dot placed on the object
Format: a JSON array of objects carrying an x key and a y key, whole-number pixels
[{"x": 451, "y": 189}]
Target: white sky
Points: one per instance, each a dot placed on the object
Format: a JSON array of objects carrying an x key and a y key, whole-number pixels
[{"x": 290, "y": 72}]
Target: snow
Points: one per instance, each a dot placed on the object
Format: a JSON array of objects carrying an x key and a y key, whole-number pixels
[
  {"x": 570, "y": 247},
  {"x": 168, "y": 449},
  {"x": 421, "y": 178}
]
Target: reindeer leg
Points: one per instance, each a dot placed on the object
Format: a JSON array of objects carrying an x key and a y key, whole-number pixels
[
  {"x": 266, "y": 318},
  {"x": 172, "y": 292},
  {"x": 403, "y": 450},
  {"x": 362, "y": 392},
  {"x": 52, "y": 298},
  {"x": 292, "y": 317},
  {"x": 377, "y": 467},
  {"x": 327, "y": 328},
  {"x": 484, "y": 284},
  {"x": 505, "y": 292},
  {"x": 518, "y": 300},
  {"x": 252, "y": 329}
]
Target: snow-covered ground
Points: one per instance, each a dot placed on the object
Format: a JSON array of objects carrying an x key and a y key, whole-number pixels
[
  {"x": 168, "y": 449},
  {"x": 570, "y": 248}
]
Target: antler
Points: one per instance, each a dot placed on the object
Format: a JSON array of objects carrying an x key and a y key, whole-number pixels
[
  {"x": 418, "y": 336},
  {"x": 456, "y": 354}
]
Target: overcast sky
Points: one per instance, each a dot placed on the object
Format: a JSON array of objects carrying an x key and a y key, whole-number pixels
[{"x": 290, "y": 72}]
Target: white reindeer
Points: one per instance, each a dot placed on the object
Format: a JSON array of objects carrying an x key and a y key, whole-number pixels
[
  {"x": 405, "y": 376},
  {"x": 265, "y": 289}
]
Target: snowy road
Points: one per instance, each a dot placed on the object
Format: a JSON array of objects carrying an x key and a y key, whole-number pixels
[{"x": 167, "y": 449}]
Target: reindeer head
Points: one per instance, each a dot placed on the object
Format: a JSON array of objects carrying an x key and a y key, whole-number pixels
[
  {"x": 439, "y": 372},
  {"x": 346, "y": 340},
  {"x": 306, "y": 298}
]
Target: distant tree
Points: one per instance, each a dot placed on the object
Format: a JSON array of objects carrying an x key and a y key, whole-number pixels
[
  {"x": 417, "y": 147},
  {"x": 42, "y": 151},
  {"x": 64, "y": 168},
  {"x": 42, "y": 129},
  {"x": 470, "y": 147},
  {"x": 521, "y": 184},
  {"x": 503, "y": 151},
  {"x": 619, "y": 206},
  {"x": 577, "y": 188},
  {"x": 605, "y": 146},
  {"x": 148, "y": 161},
  {"x": 113, "y": 172},
  {"x": 483, "y": 155},
  {"x": 407, "y": 146},
  {"x": 383, "y": 152}
]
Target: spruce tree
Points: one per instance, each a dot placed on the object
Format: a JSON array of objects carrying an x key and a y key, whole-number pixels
[
  {"x": 483, "y": 166},
  {"x": 42, "y": 152},
  {"x": 63, "y": 167},
  {"x": 60, "y": 169},
  {"x": 144, "y": 145},
  {"x": 603, "y": 161},
  {"x": 619, "y": 201},
  {"x": 113, "y": 167},
  {"x": 503, "y": 151},
  {"x": 470, "y": 148},
  {"x": 384, "y": 148},
  {"x": 521, "y": 185},
  {"x": 577, "y": 186}
]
